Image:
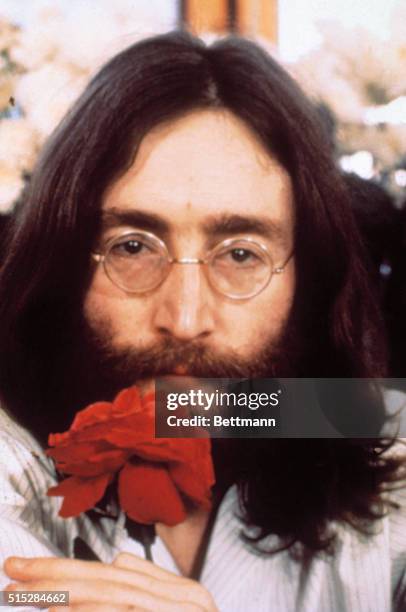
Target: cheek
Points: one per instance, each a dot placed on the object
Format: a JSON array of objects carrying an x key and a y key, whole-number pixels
[
  {"x": 262, "y": 320},
  {"x": 107, "y": 310}
]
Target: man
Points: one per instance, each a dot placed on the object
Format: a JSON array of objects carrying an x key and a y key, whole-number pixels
[{"x": 179, "y": 164}]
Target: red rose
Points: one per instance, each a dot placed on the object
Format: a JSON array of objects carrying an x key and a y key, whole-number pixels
[{"x": 155, "y": 475}]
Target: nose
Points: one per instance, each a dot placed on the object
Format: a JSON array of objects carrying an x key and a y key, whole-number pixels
[{"x": 184, "y": 306}]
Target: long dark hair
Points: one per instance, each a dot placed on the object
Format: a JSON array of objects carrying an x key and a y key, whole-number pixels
[{"x": 46, "y": 268}]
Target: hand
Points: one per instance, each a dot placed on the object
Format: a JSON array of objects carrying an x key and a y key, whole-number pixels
[{"x": 129, "y": 583}]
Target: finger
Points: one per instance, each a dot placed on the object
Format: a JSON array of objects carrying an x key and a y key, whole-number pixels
[
  {"x": 88, "y": 607},
  {"x": 24, "y": 568},
  {"x": 132, "y": 562},
  {"x": 171, "y": 588},
  {"x": 16, "y": 566},
  {"x": 109, "y": 594},
  {"x": 137, "y": 573},
  {"x": 181, "y": 589},
  {"x": 61, "y": 569}
]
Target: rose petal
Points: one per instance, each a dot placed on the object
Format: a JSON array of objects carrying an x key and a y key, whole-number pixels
[
  {"x": 78, "y": 451},
  {"x": 95, "y": 413},
  {"x": 58, "y": 438},
  {"x": 163, "y": 449},
  {"x": 148, "y": 403},
  {"x": 105, "y": 462},
  {"x": 128, "y": 401},
  {"x": 123, "y": 432},
  {"x": 126, "y": 433},
  {"x": 80, "y": 494},
  {"x": 171, "y": 449},
  {"x": 195, "y": 485},
  {"x": 147, "y": 495}
]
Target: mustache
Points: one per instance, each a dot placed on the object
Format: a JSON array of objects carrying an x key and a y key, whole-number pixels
[{"x": 195, "y": 359}]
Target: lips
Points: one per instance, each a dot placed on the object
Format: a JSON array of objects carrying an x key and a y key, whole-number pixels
[{"x": 180, "y": 370}]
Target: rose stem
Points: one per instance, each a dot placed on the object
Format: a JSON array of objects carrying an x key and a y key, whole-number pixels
[{"x": 147, "y": 534}]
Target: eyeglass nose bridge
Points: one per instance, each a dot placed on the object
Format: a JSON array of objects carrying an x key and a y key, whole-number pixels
[{"x": 187, "y": 260}]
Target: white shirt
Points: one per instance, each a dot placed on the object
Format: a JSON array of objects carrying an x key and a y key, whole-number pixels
[{"x": 367, "y": 574}]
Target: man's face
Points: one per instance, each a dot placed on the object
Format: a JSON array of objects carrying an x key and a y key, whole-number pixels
[{"x": 197, "y": 180}]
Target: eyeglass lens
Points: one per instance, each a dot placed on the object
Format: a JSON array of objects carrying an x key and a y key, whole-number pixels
[
  {"x": 134, "y": 263},
  {"x": 138, "y": 264}
]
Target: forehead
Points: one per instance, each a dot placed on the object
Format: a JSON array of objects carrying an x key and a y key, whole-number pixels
[{"x": 207, "y": 162}]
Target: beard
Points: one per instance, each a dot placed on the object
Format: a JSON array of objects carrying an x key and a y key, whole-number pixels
[
  {"x": 89, "y": 368},
  {"x": 103, "y": 369}
]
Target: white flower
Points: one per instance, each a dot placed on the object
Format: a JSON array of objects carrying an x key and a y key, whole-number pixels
[
  {"x": 47, "y": 93},
  {"x": 319, "y": 78},
  {"x": 7, "y": 83},
  {"x": 387, "y": 144},
  {"x": 395, "y": 140},
  {"x": 38, "y": 42},
  {"x": 114, "y": 26},
  {"x": 11, "y": 185},
  {"x": 398, "y": 26},
  {"x": 98, "y": 35},
  {"x": 83, "y": 34},
  {"x": 18, "y": 144},
  {"x": 8, "y": 34},
  {"x": 352, "y": 69}
]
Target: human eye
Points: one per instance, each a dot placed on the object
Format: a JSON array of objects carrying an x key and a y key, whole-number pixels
[
  {"x": 131, "y": 247},
  {"x": 240, "y": 256}
]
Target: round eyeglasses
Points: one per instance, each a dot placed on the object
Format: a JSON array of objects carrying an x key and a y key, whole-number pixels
[{"x": 138, "y": 262}]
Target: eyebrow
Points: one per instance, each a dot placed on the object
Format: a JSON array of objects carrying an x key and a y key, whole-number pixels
[
  {"x": 115, "y": 217},
  {"x": 217, "y": 225},
  {"x": 231, "y": 224}
]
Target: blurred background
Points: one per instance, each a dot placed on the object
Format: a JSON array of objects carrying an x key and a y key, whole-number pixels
[{"x": 348, "y": 55}]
